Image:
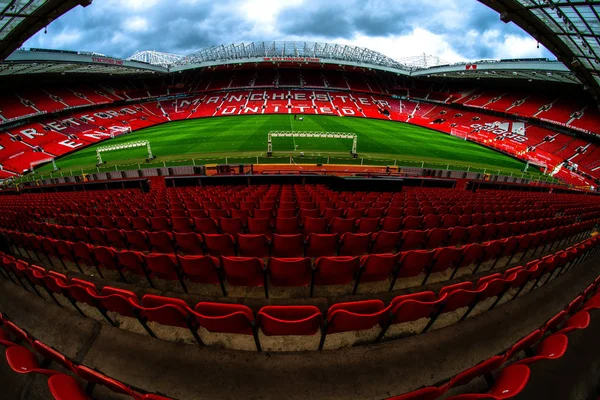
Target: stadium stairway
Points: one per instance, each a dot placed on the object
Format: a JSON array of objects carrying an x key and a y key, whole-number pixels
[
  {"x": 185, "y": 371},
  {"x": 157, "y": 183}
]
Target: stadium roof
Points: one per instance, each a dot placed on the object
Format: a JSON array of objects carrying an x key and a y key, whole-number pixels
[
  {"x": 568, "y": 28},
  {"x": 155, "y": 58},
  {"x": 40, "y": 61},
  {"x": 21, "y": 19},
  {"x": 292, "y": 51}
]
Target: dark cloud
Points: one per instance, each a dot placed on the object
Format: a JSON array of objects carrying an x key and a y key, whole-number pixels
[
  {"x": 343, "y": 20},
  {"x": 120, "y": 28}
]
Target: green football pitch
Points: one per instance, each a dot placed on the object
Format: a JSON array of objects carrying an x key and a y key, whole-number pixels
[{"x": 243, "y": 139}]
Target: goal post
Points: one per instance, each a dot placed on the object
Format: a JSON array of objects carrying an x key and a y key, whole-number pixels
[
  {"x": 311, "y": 134},
  {"x": 460, "y": 132},
  {"x": 130, "y": 145},
  {"x": 33, "y": 164}
]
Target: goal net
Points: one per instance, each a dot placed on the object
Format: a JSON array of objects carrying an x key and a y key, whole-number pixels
[
  {"x": 307, "y": 134},
  {"x": 123, "y": 146},
  {"x": 33, "y": 164},
  {"x": 460, "y": 132}
]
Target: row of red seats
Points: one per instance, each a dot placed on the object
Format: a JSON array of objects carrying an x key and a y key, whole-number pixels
[
  {"x": 552, "y": 343},
  {"x": 293, "y": 225},
  {"x": 398, "y": 207},
  {"x": 99, "y": 205},
  {"x": 96, "y": 217},
  {"x": 408, "y": 197},
  {"x": 297, "y": 320},
  {"x": 262, "y": 243},
  {"x": 326, "y": 270},
  {"x": 62, "y": 386}
]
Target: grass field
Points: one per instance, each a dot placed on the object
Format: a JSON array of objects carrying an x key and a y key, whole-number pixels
[{"x": 243, "y": 139}]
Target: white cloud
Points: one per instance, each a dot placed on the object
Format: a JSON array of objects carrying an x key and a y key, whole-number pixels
[
  {"x": 135, "y": 24},
  {"x": 65, "y": 39},
  {"x": 513, "y": 46},
  {"x": 262, "y": 14},
  {"x": 416, "y": 43},
  {"x": 136, "y": 4}
]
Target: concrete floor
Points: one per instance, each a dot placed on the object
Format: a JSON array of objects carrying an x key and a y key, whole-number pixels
[{"x": 187, "y": 371}]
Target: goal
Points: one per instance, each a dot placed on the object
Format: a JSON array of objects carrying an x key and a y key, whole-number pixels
[
  {"x": 123, "y": 146},
  {"x": 33, "y": 164},
  {"x": 310, "y": 134},
  {"x": 460, "y": 132}
]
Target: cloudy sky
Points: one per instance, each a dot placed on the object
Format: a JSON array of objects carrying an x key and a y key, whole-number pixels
[{"x": 454, "y": 30}]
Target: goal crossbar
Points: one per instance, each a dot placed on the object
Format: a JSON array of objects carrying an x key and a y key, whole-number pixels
[
  {"x": 46, "y": 160},
  {"x": 311, "y": 134},
  {"x": 123, "y": 146}
]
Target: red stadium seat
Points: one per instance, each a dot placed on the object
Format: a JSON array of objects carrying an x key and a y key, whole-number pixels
[
  {"x": 219, "y": 244},
  {"x": 182, "y": 225},
  {"x": 412, "y": 263},
  {"x": 551, "y": 348},
  {"x": 354, "y": 244},
  {"x": 98, "y": 378},
  {"x": 226, "y": 318},
  {"x": 123, "y": 223},
  {"x": 167, "y": 311},
  {"x": 367, "y": 225},
  {"x": 160, "y": 224},
  {"x": 232, "y": 226},
  {"x": 320, "y": 245},
  {"x": 201, "y": 269},
  {"x": 105, "y": 257},
  {"x": 133, "y": 262},
  {"x": 391, "y": 224},
  {"x": 385, "y": 242},
  {"x": 335, "y": 270},
  {"x": 206, "y": 225},
  {"x": 23, "y": 361},
  {"x": 341, "y": 225},
  {"x": 510, "y": 382},
  {"x": 140, "y": 224},
  {"x": 65, "y": 387},
  {"x": 161, "y": 241},
  {"x": 98, "y": 237},
  {"x": 314, "y": 225},
  {"x": 412, "y": 240},
  {"x": 290, "y": 271},
  {"x": 287, "y": 226},
  {"x": 137, "y": 240},
  {"x": 287, "y": 245},
  {"x": 245, "y": 271},
  {"x": 188, "y": 243},
  {"x": 260, "y": 226},
  {"x": 250, "y": 245},
  {"x": 412, "y": 307},
  {"x": 444, "y": 259},
  {"x": 289, "y": 320},
  {"x": 164, "y": 266},
  {"x": 352, "y": 316},
  {"x": 375, "y": 267},
  {"x": 412, "y": 223},
  {"x": 116, "y": 238}
]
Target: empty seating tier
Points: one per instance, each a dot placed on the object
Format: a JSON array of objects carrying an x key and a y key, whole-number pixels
[{"x": 279, "y": 268}]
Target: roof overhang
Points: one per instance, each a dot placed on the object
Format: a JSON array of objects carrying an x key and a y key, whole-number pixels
[
  {"x": 287, "y": 62},
  {"x": 21, "y": 19},
  {"x": 568, "y": 28},
  {"x": 530, "y": 70},
  {"x": 65, "y": 62}
]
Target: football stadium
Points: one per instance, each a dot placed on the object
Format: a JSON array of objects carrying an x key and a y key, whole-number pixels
[{"x": 299, "y": 218}]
